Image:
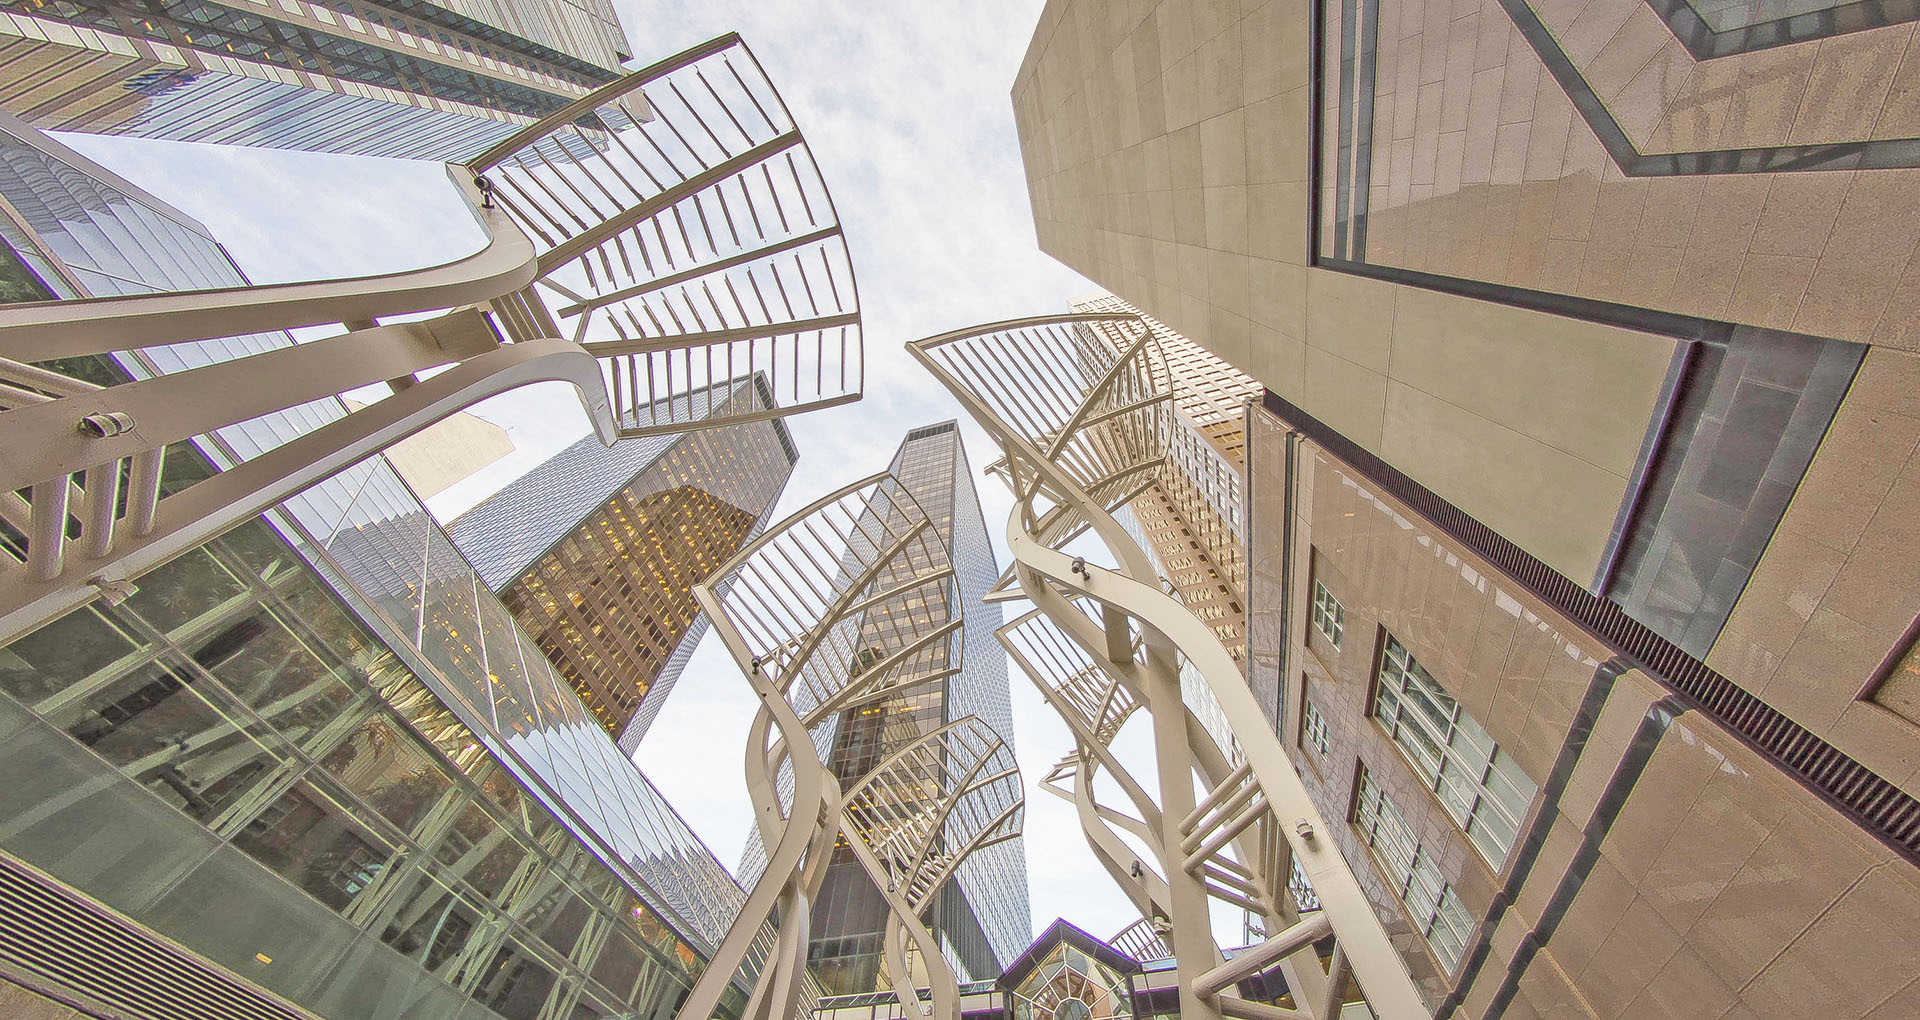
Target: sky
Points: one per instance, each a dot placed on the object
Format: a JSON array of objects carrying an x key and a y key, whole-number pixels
[{"x": 906, "y": 108}]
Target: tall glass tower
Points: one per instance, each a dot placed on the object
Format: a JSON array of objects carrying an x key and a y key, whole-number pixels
[
  {"x": 596, "y": 551},
  {"x": 981, "y": 916},
  {"x": 435, "y": 80}
]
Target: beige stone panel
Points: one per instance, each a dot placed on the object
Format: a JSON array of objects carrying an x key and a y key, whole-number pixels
[
  {"x": 1640, "y": 946},
  {"x": 1279, "y": 362},
  {"x": 1786, "y": 587},
  {"x": 1556, "y": 506},
  {"x": 1348, "y": 397},
  {"x": 1870, "y": 246},
  {"x": 1278, "y": 297},
  {"x": 1807, "y": 863},
  {"x": 1275, "y": 127},
  {"x": 1583, "y": 388},
  {"x": 1852, "y": 75},
  {"x": 1351, "y": 316}
]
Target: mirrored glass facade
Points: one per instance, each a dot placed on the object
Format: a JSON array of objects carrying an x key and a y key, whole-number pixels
[
  {"x": 981, "y": 917},
  {"x": 399, "y": 78},
  {"x": 233, "y": 759},
  {"x": 596, "y": 551}
]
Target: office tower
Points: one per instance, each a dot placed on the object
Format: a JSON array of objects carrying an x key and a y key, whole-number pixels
[
  {"x": 309, "y": 762},
  {"x": 422, "y": 80},
  {"x": 981, "y": 915},
  {"x": 1190, "y": 518},
  {"x": 597, "y": 550},
  {"x": 448, "y": 453},
  {"x": 1588, "y": 347}
]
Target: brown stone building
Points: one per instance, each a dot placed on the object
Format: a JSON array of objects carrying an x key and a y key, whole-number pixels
[{"x": 1584, "y": 580}]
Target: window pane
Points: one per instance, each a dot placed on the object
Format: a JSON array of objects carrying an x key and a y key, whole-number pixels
[
  {"x": 63, "y": 652},
  {"x": 516, "y": 985},
  {"x": 70, "y": 815},
  {"x": 190, "y": 746},
  {"x": 314, "y": 843},
  {"x": 619, "y": 965},
  {"x": 270, "y": 669},
  {"x": 181, "y": 590},
  {"x": 390, "y": 769},
  {"x": 480, "y": 851},
  {"x": 431, "y": 924},
  {"x": 1454, "y": 753}
]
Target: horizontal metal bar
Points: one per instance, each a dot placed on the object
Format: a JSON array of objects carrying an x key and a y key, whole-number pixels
[{"x": 1300, "y": 935}]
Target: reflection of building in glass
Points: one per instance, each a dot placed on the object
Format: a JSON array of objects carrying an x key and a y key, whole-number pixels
[
  {"x": 312, "y": 752},
  {"x": 597, "y": 550},
  {"x": 425, "y": 80},
  {"x": 981, "y": 916}
]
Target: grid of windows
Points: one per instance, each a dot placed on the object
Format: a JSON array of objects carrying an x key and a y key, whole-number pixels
[
  {"x": 1329, "y": 616},
  {"x": 233, "y": 716},
  {"x": 1436, "y": 912},
  {"x": 1480, "y": 785},
  {"x": 1313, "y": 729}
]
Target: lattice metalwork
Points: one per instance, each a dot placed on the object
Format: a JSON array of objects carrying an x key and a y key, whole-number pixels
[
  {"x": 843, "y": 604},
  {"x": 687, "y": 240},
  {"x": 933, "y": 802},
  {"x": 1091, "y": 393},
  {"x": 1082, "y": 408},
  {"x": 672, "y": 225},
  {"x": 1141, "y": 940}
]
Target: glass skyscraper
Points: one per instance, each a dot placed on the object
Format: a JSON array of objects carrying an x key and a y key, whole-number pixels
[
  {"x": 597, "y": 550},
  {"x": 311, "y": 761},
  {"x": 980, "y": 917},
  {"x": 394, "y": 78}
]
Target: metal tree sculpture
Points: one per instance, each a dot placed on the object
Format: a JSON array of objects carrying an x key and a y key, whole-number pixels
[
  {"x": 838, "y": 613},
  {"x": 653, "y": 244},
  {"x": 1082, "y": 408}
]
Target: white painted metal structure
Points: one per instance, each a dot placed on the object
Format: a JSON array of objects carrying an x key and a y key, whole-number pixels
[
  {"x": 1081, "y": 406},
  {"x": 842, "y": 607},
  {"x": 666, "y": 234}
]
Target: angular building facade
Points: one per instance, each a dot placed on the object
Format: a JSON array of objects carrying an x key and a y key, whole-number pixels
[
  {"x": 420, "y": 80},
  {"x": 1581, "y": 577},
  {"x": 1192, "y": 517},
  {"x": 310, "y": 766},
  {"x": 596, "y": 551},
  {"x": 980, "y": 916}
]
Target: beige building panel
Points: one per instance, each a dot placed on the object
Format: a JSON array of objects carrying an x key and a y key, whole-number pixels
[
  {"x": 1352, "y": 316},
  {"x": 1583, "y": 388},
  {"x": 1840, "y": 583},
  {"x": 1347, "y": 396},
  {"x": 1557, "y": 507}
]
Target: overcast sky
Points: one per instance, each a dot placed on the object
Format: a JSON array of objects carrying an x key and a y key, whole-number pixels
[{"x": 906, "y": 108}]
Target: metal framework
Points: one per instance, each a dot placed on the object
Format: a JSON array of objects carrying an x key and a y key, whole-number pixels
[
  {"x": 840, "y": 608},
  {"x": 657, "y": 240},
  {"x": 1082, "y": 408}
]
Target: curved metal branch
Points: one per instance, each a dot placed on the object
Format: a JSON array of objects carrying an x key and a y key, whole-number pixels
[
  {"x": 846, "y": 603},
  {"x": 1081, "y": 406}
]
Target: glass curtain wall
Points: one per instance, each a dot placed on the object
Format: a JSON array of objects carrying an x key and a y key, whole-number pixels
[{"x": 233, "y": 759}]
